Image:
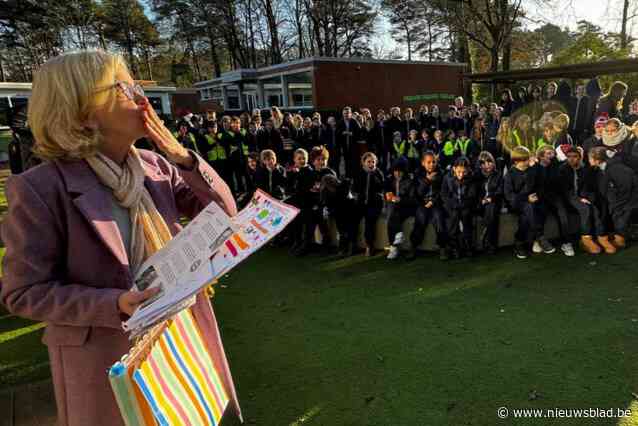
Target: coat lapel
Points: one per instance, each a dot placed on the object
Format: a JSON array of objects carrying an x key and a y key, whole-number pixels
[{"x": 93, "y": 200}]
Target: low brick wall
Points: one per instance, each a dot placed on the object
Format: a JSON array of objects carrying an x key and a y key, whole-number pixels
[{"x": 507, "y": 227}]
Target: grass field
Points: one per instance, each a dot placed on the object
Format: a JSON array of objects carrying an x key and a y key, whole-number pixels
[
  {"x": 364, "y": 342},
  {"x": 359, "y": 341},
  {"x": 370, "y": 343}
]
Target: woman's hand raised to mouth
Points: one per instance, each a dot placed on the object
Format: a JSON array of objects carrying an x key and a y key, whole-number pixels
[{"x": 163, "y": 138}]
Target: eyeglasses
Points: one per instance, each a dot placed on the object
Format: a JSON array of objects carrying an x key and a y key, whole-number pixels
[{"x": 131, "y": 91}]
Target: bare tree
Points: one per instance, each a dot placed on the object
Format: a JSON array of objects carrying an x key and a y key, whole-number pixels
[{"x": 488, "y": 23}]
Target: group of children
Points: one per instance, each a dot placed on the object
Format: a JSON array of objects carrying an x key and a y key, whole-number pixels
[{"x": 446, "y": 177}]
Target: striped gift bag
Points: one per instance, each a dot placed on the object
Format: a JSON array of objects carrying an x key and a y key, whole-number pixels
[
  {"x": 178, "y": 379},
  {"x": 133, "y": 407}
]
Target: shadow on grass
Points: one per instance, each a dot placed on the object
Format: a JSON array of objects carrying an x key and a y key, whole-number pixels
[
  {"x": 23, "y": 359},
  {"x": 427, "y": 342}
]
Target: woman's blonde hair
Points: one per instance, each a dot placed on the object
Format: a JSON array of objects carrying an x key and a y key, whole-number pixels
[
  {"x": 523, "y": 118},
  {"x": 504, "y": 134},
  {"x": 561, "y": 122},
  {"x": 66, "y": 91}
]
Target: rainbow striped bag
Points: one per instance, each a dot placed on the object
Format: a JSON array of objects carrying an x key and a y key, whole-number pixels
[{"x": 170, "y": 378}]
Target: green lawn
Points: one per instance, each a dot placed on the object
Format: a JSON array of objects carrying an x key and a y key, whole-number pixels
[{"x": 367, "y": 342}]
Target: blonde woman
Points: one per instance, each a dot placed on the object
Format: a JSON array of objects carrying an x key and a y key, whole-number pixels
[
  {"x": 80, "y": 225},
  {"x": 504, "y": 135},
  {"x": 522, "y": 133},
  {"x": 561, "y": 127},
  {"x": 297, "y": 121},
  {"x": 277, "y": 117}
]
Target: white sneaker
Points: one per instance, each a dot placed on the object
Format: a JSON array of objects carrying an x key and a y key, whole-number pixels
[
  {"x": 398, "y": 239},
  {"x": 394, "y": 253},
  {"x": 536, "y": 248},
  {"x": 568, "y": 249}
]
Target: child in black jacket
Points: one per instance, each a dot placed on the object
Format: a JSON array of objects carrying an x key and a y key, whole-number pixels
[
  {"x": 336, "y": 196},
  {"x": 520, "y": 193},
  {"x": 427, "y": 197},
  {"x": 236, "y": 143},
  {"x": 618, "y": 184},
  {"x": 295, "y": 176},
  {"x": 252, "y": 166},
  {"x": 489, "y": 181},
  {"x": 548, "y": 188},
  {"x": 427, "y": 143},
  {"x": 399, "y": 197},
  {"x": 271, "y": 177},
  {"x": 368, "y": 189},
  {"x": 458, "y": 194},
  {"x": 577, "y": 184},
  {"x": 312, "y": 209}
]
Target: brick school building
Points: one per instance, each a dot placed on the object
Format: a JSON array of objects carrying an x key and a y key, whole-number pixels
[{"x": 329, "y": 84}]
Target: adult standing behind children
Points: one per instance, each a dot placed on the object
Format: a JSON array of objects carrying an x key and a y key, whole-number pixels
[{"x": 348, "y": 133}]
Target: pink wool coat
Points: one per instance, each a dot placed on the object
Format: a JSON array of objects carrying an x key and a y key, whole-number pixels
[{"x": 66, "y": 265}]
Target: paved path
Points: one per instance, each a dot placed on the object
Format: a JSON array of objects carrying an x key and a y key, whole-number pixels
[{"x": 28, "y": 405}]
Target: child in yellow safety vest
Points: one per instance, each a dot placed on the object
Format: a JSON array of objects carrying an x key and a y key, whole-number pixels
[
  {"x": 449, "y": 151},
  {"x": 467, "y": 147},
  {"x": 413, "y": 151},
  {"x": 547, "y": 138},
  {"x": 215, "y": 154},
  {"x": 186, "y": 138},
  {"x": 237, "y": 147},
  {"x": 398, "y": 146}
]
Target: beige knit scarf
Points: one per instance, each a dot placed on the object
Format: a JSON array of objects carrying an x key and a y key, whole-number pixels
[
  {"x": 618, "y": 138},
  {"x": 149, "y": 232}
]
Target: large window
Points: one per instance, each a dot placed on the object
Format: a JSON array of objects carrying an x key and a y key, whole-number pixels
[
  {"x": 273, "y": 98},
  {"x": 232, "y": 96},
  {"x": 302, "y": 77},
  {"x": 300, "y": 97},
  {"x": 156, "y": 102}
]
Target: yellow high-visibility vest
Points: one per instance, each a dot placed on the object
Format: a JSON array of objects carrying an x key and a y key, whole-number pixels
[
  {"x": 400, "y": 148},
  {"x": 217, "y": 152},
  {"x": 412, "y": 151}
]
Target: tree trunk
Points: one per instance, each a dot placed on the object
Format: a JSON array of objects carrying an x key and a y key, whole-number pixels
[
  {"x": 217, "y": 71},
  {"x": 149, "y": 67},
  {"x": 409, "y": 41},
  {"x": 300, "y": 28},
  {"x": 624, "y": 39},
  {"x": 251, "y": 30},
  {"x": 275, "y": 48},
  {"x": 494, "y": 59},
  {"x": 507, "y": 55},
  {"x": 430, "y": 41},
  {"x": 198, "y": 71}
]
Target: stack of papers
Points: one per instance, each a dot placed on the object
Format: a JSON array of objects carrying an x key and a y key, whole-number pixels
[{"x": 211, "y": 245}]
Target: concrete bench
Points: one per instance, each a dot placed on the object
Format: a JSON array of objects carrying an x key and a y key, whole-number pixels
[{"x": 507, "y": 227}]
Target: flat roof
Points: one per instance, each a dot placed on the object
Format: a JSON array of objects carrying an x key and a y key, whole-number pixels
[
  {"x": 586, "y": 70},
  {"x": 15, "y": 86},
  {"x": 27, "y": 86},
  {"x": 242, "y": 73}
]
